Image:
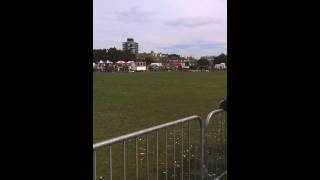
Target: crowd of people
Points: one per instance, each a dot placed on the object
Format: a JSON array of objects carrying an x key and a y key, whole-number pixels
[
  {"x": 127, "y": 67},
  {"x": 112, "y": 68}
]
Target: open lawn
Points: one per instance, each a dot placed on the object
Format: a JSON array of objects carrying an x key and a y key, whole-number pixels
[{"x": 127, "y": 102}]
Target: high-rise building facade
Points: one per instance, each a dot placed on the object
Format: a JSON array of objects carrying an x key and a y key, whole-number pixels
[{"x": 131, "y": 46}]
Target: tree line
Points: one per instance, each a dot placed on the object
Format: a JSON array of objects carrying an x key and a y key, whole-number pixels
[
  {"x": 114, "y": 55},
  {"x": 204, "y": 62}
]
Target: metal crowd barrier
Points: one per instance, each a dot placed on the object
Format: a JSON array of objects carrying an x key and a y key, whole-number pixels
[{"x": 212, "y": 161}]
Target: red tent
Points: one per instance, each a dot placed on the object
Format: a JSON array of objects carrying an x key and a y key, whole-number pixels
[{"x": 120, "y": 62}]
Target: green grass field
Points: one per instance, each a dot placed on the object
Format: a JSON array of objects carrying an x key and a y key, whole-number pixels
[{"x": 127, "y": 102}]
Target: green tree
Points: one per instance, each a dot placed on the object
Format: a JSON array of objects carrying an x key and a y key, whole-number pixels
[
  {"x": 203, "y": 63},
  {"x": 163, "y": 59},
  {"x": 222, "y": 58},
  {"x": 99, "y": 54},
  {"x": 114, "y": 55},
  {"x": 149, "y": 60},
  {"x": 173, "y": 56}
]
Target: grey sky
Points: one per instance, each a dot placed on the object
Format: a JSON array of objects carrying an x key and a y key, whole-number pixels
[{"x": 186, "y": 27}]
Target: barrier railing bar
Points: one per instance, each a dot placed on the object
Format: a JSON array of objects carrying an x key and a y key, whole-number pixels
[
  {"x": 174, "y": 154},
  {"x": 110, "y": 161},
  {"x": 124, "y": 161},
  {"x": 181, "y": 151},
  {"x": 94, "y": 166},
  {"x": 145, "y": 131},
  {"x": 137, "y": 162},
  {"x": 221, "y": 175},
  {"x": 147, "y": 153},
  {"x": 157, "y": 154},
  {"x": 189, "y": 172},
  {"x": 166, "y": 154}
]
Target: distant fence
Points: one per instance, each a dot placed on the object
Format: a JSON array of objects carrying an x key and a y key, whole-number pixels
[{"x": 178, "y": 154}]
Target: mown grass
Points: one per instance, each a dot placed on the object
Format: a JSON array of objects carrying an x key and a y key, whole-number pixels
[{"x": 126, "y": 102}]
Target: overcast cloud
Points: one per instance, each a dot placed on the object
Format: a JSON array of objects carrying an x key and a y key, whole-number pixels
[{"x": 186, "y": 27}]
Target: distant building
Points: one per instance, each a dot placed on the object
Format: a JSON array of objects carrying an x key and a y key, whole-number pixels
[
  {"x": 131, "y": 46},
  {"x": 178, "y": 63},
  {"x": 138, "y": 66},
  {"x": 162, "y": 55}
]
